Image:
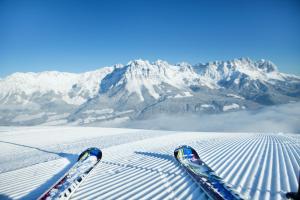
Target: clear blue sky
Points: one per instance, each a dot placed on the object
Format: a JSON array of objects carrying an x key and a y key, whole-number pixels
[{"x": 77, "y": 36}]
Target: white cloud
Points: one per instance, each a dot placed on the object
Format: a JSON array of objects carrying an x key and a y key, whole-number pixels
[{"x": 282, "y": 118}]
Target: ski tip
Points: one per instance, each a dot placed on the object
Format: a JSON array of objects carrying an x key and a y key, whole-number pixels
[
  {"x": 183, "y": 150},
  {"x": 92, "y": 151}
]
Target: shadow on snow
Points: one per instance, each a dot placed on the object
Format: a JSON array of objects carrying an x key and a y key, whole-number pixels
[
  {"x": 34, "y": 194},
  {"x": 149, "y": 169}
]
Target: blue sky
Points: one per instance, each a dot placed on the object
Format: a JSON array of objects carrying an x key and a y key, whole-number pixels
[{"x": 77, "y": 36}]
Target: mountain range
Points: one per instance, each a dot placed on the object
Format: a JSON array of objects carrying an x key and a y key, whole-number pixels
[{"x": 143, "y": 89}]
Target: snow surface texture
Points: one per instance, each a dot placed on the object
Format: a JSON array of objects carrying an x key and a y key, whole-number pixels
[
  {"x": 139, "y": 164},
  {"x": 142, "y": 89}
]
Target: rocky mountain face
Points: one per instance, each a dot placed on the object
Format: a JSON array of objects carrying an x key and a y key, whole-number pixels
[{"x": 141, "y": 90}]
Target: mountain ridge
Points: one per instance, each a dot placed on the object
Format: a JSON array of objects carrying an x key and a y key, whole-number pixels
[{"x": 141, "y": 88}]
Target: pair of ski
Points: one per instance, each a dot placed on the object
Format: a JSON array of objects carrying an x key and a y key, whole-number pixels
[{"x": 211, "y": 184}]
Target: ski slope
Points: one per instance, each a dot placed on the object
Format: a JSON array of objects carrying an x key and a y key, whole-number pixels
[{"x": 139, "y": 164}]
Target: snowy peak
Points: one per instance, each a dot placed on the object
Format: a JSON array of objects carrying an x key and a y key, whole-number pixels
[
  {"x": 157, "y": 79},
  {"x": 143, "y": 68},
  {"x": 69, "y": 87},
  {"x": 138, "y": 63},
  {"x": 140, "y": 75},
  {"x": 261, "y": 70},
  {"x": 31, "y": 82},
  {"x": 266, "y": 66},
  {"x": 141, "y": 89},
  {"x": 262, "y": 65}
]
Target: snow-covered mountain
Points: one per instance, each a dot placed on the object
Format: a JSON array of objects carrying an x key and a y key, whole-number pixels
[
  {"x": 142, "y": 89},
  {"x": 74, "y": 89}
]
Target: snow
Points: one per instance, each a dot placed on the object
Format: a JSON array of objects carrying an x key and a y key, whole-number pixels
[
  {"x": 26, "y": 117},
  {"x": 143, "y": 74},
  {"x": 75, "y": 101},
  {"x": 235, "y": 96},
  {"x": 139, "y": 163},
  {"x": 178, "y": 96},
  {"x": 61, "y": 83},
  {"x": 56, "y": 122},
  {"x": 27, "y": 82},
  {"x": 231, "y": 107},
  {"x": 115, "y": 121},
  {"x": 188, "y": 94},
  {"x": 262, "y": 70},
  {"x": 87, "y": 120},
  {"x": 207, "y": 106},
  {"x": 53, "y": 117},
  {"x": 103, "y": 115},
  {"x": 99, "y": 112},
  {"x": 185, "y": 94},
  {"x": 124, "y": 112},
  {"x": 139, "y": 76}
]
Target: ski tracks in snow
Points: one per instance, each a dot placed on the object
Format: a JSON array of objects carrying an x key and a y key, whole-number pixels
[{"x": 258, "y": 166}]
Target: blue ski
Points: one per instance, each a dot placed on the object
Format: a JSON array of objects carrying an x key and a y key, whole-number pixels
[{"x": 213, "y": 186}]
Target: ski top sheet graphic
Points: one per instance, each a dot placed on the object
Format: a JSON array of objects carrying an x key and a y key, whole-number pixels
[
  {"x": 66, "y": 186},
  {"x": 294, "y": 195},
  {"x": 210, "y": 183}
]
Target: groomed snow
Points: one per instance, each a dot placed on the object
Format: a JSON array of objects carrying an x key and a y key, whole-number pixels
[{"x": 139, "y": 164}]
